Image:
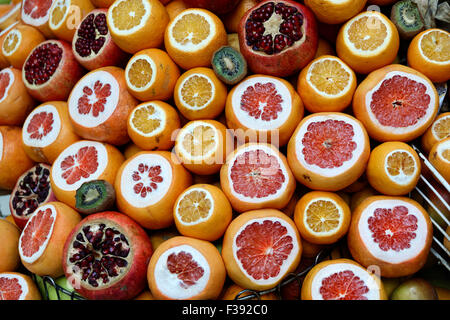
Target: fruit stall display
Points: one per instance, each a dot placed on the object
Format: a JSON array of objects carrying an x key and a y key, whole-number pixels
[{"x": 226, "y": 149}]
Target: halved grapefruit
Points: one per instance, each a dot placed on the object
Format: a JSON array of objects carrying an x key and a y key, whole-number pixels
[
  {"x": 184, "y": 268},
  {"x": 80, "y": 162},
  {"x": 396, "y": 103},
  {"x": 256, "y": 176},
  {"x": 36, "y": 13},
  {"x": 392, "y": 233},
  {"x": 260, "y": 247},
  {"x": 42, "y": 240},
  {"x": 17, "y": 286},
  {"x": 328, "y": 151},
  {"x": 263, "y": 108},
  {"x": 341, "y": 279}
]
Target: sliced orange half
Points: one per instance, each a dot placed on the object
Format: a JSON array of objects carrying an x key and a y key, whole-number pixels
[
  {"x": 193, "y": 36},
  {"x": 367, "y": 42},
  {"x": 440, "y": 158},
  {"x": 440, "y": 129},
  {"x": 429, "y": 53},
  {"x": 326, "y": 84}
]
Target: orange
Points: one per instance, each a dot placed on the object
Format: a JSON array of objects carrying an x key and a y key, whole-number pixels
[
  {"x": 137, "y": 24},
  {"x": 4, "y": 8},
  {"x": 263, "y": 108},
  {"x": 443, "y": 293},
  {"x": 324, "y": 48},
  {"x": 203, "y": 145},
  {"x": 3, "y": 62},
  {"x": 311, "y": 250},
  {"x": 80, "y": 162},
  {"x": 13, "y": 159},
  {"x": 130, "y": 150},
  {"x": 326, "y": 84},
  {"x": 233, "y": 41},
  {"x": 335, "y": 12},
  {"x": 440, "y": 158},
  {"x": 368, "y": 42},
  {"x": 361, "y": 195},
  {"x": 151, "y": 75},
  {"x": 14, "y": 93},
  {"x": 99, "y": 106},
  {"x": 235, "y": 292},
  {"x": 10, "y": 17},
  {"x": 328, "y": 151},
  {"x": 440, "y": 129},
  {"x": 18, "y": 286},
  {"x": 392, "y": 233},
  {"x": 147, "y": 186},
  {"x": 322, "y": 217},
  {"x": 152, "y": 125},
  {"x": 175, "y": 7},
  {"x": 429, "y": 53},
  {"x": 66, "y": 15},
  {"x": 396, "y": 103},
  {"x": 145, "y": 295},
  {"x": 393, "y": 169},
  {"x": 9, "y": 239},
  {"x": 202, "y": 211},
  {"x": 47, "y": 131},
  {"x": 257, "y": 176},
  {"x": 233, "y": 18},
  {"x": 19, "y": 42},
  {"x": 261, "y": 247},
  {"x": 184, "y": 268},
  {"x": 199, "y": 94},
  {"x": 341, "y": 279},
  {"x": 193, "y": 36},
  {"x": 42, "y": 240},
  {"x": 159, "y": 236}
]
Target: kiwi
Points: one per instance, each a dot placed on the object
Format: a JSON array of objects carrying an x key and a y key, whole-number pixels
[
  {"x": 95, "y": 196},
  {"x": 229, "y": 65},
  {"x": 407, "y": 18}
]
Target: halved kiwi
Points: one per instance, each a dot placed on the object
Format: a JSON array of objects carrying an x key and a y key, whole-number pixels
[
  {"x": 95, "y": 196},
  {"x": 229, "y": 65},
  {"x": 407, "y": 18}
]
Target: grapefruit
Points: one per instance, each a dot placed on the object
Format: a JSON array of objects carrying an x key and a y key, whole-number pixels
[
  {"x": 36, "y": 13},
  {"x": 17, "y": 286},
  {"x": 9, "y": 240}
]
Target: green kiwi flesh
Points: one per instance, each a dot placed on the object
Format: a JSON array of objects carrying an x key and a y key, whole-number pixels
[
  {"x": 95, "y": 196},
  {"x": 229, "y": 65},
  {"x": 407, "y": 18}
]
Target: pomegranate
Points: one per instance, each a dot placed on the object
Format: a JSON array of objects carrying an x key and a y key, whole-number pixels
[
  {"x": 51, "y": 70},
  {"x": 106, "y": 257},
  {"x": 216, "y": 6},
  {"x": 31, "y": 190},
  {"x": 278, "y": 37},
  {"x": 92, "y": 44}
]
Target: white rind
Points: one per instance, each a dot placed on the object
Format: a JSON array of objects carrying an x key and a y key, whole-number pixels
[
  {"x": 11, "y": 82},
  {"x": 51, "y": 136},
  {"x": 148, "y": 9},
  {"x": 169, "y": 284},
  {"x": 19, "y": 40},
  {"x": 443, "y": 146},
  {"x": 207, "y": 196},
  {"x": 23, "y": 284},
  {"x": 44, "y": 245},
  {"x": 60, "y": 4},
  {"x": 152, "y": 66}
]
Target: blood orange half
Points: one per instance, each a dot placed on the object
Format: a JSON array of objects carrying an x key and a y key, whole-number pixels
[
  {"x": 17, "y": 286},
  {"x": 393, "y": 233},
  {"x": 80, "y": 162},
  {"x": 185, "y": 268},
  {"x": 396, "y": 103},
  {"x": 260, "y": 248},
  {"x": 42, "y": 240},
  {"x": 263, "y": 107},
  {"x": 341, "y": 279},
  {"x": 328, "y": 151},
  {"x": 256, "y": 176}
]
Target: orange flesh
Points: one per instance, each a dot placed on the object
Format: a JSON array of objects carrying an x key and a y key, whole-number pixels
[
  {"x": 128, "y": 14},
  {"x": 10, "y": 42},
  {"x": 194, "y": 206},
  {"x": 365, "y": 37},
  {"x": 140, "y": 73},
  {"x": 142, "y": 121},
  {"x": 329, "y": 76},
  {"x": 436, "y": 46},
  {"x": 196, "y": 91},
  {"x": 58, "y": 14},
  {"x": 322, "y": 216},
  {"x": 191, "y": 28},
  {"x": 442, "y": 128},
  {"x": 200, "y": 141},
  {"x": 400, "y": 162}
]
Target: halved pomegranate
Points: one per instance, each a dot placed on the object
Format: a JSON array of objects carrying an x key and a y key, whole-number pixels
[
  {"x": 278, "y": 37},
  {"x": 106, "y": 257},
  {"x": 31, "y": 190},
  {"x": 92, "y": 44},
  {"x": 51, "y": 70}
]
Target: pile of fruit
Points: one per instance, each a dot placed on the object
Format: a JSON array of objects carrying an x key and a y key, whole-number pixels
[{"x": 193, "y": 149}]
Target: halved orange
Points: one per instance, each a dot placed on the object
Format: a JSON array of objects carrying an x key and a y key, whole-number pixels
[
  {"x": 322, "y": 217},
  {"x": 18, "y": 286},
  {"x": 137, "y": 24},
  {"x": 202, "y": 211},
  {"x": 335, "y": 12},
  {"x": 3, "y": 62},
  {"x": 199, "y": 94},
  {"x": 394, "y": 168},
  {"x": 440, "y": 158},
  {"x": 184, "y": 268},
  {"x": 341, "y": 279},
  {"x": 367, "y": 42},
  {"x": 326, "y": 84},
  {"x": 151, "y": 75},
  {"x": 19, "y": 42},
  {"x": 193, "y": 36},
  {"x": 429, "y": 53},
  {"x": 153, "y": 125},
  {"x": 440, "y": 129},
  {"x": 203, "y": 145}
]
